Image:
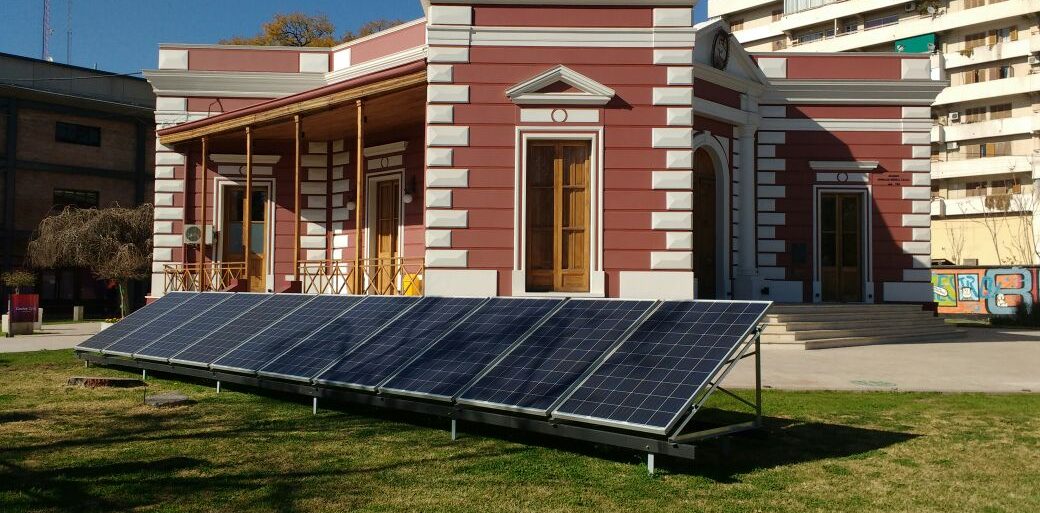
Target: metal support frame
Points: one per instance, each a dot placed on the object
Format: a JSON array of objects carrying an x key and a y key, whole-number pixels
[
  {"x": 746, "y": 351},
  {"x": 633, "y": 441}
]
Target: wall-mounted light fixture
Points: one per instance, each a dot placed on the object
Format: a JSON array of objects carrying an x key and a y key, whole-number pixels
[{"x": 407, "y": 197}]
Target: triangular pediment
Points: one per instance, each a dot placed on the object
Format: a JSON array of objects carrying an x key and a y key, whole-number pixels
[
  {"x": 560, "y": 86},
  {"x": 739, "y": 64}
]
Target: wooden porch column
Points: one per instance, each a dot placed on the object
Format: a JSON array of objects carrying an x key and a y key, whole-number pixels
[
  {"x": 359, "y": 215},
  {"x": 202, "y": 219},
  {"x": 247, "y": 216},
  {"x": 296, "y": 201}
]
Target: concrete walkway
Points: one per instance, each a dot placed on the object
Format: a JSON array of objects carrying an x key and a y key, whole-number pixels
[
  {"x": 54, "y": 336},
  {"x": 985, "y": 360}
]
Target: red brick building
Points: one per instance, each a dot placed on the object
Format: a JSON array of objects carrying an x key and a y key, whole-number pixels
[
  {"x": 72, "y": 136},
  {"x": 500, "y": 147}
]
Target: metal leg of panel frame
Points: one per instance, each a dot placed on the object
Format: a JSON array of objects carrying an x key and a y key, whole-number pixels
[
  {"x": 314, "y": 406},
  {"x": 86, "y": 364},
  {"x": 650, "y": 463},
  {"x": 144, "y": 374},
  {"x": 454, "y": 432},
  {"x": 758, "y": 377},
  {"x": 218, "y": 387}
]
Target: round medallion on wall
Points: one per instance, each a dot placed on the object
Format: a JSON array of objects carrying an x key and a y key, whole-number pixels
[
  {"x": 384, "y": 162},
  {"x": 559, "y": 115},
  {"x": 843, "y": 177},
  {"x": 720, "y": 50}
]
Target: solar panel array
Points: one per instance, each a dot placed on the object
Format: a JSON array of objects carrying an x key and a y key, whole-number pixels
[{"x": 630, "y": 365}]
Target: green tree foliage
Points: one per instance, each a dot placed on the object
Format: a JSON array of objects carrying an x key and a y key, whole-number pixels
[{"x": 301, "y": 29}]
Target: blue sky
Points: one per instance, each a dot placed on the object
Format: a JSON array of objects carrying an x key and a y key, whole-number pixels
[{"x": 122, "y": 35}]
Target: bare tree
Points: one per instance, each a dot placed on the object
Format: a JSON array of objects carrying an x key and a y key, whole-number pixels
[
  {"x": 957, "y": 241},
  {"x": 114, "y": 243}
]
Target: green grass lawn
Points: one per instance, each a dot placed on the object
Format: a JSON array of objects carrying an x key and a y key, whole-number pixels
[{"x": 74, "y": 449}]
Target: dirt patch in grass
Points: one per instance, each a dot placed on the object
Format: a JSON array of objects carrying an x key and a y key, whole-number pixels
[{"x": 65, "y": 448}]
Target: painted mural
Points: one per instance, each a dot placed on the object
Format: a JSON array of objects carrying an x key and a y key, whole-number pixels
[{"x": 984, "y": 290}]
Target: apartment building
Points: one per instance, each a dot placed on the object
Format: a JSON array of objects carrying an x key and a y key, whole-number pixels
[{"x": 986, "y": 139}]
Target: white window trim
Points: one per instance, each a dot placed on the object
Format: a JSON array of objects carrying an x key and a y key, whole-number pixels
[
  {"x": 866, "y": 191},
  {"x": 217, "y": 251},
  {"x": 593, "y": 134}
]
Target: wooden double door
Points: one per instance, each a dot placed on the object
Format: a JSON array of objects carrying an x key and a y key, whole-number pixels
[
  {"x": 841, "y": 247},
  {"x": 384, "y": 222},
  {"x": 558, "y": 216}
]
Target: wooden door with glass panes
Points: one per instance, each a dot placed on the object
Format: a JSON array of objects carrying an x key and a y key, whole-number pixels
[
  {"x": 232, "y": 240},
  {"x": 841, "y": 247},
  {"x": 385, "y": 243}
]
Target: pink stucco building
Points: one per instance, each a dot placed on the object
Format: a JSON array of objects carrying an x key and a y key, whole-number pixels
[{"x": 530, "y": 147}]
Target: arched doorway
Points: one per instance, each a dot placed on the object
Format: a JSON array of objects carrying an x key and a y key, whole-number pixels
[{"x": 704, "y": 224}]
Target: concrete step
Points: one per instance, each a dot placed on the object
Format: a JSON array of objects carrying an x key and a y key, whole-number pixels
[
  {"x": 848, "y": 317},
  {"x": 840, "y": 308},
  {"x": 786, "y": 326},
  {"x": 870, "y": 331},
  {"x": 827, "y": 343}
]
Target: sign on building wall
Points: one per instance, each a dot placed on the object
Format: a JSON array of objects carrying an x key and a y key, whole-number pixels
[{"x": 984, "y": 290}]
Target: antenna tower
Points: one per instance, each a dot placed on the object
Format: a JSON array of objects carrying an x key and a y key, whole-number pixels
[{"x": 45, "y": 54}]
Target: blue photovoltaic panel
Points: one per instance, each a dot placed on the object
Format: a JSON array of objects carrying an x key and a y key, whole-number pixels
[
  {"x": 453, "y": 361},
  {"x": 284, "y": 334},
  {"x": 202, "y": 325},
  {"x": 229, "y": 336},
  {"x": 323, "y": 348},
  {"x": 652, "y": 378},
  {"x": 399, "y": 342},
  {"x": 535, "y": 374},
  {"x": 172, "y": 320},
  {"x": 135, "y": 320}
]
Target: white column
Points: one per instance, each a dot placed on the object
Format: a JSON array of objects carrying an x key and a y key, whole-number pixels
[{"x": 747, "y": 284}]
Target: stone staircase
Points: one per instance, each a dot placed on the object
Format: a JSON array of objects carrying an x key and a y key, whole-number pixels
[{"x": 843, "y": 325}]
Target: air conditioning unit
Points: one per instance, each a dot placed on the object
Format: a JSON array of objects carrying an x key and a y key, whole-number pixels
[
  {"x": 195, "y": 234},
  {"x": 910, "y": 7},
  {"x": 1034, "y": 60},
  {"x": 953, "y": 145},
  {"x": 955, "y": 117}
]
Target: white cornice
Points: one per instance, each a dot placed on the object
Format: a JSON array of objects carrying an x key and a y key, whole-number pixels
[
  {"x": 386, "y": 32},
  {"x": 847, "y": 125},
  {"x": 727, "y": 80},
  {"x": 863, "y": 92},
  {"x": 658, "y": 37},
  {"x": 591, "y": 91},
  {"x": 828, "y": 165},
  {"x": 231, "y": 158},
  {"x": 608, "y": 3},
  {"x": 708, "y": 109},
  {"x": 190, "y": 46},
  {"x": 376, "y": 65},
  {"x": 231, "y": 84},
  {"x": 386, "y": 149}
]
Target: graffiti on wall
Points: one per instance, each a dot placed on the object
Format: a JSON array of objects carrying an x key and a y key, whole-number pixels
[{"x": 984, "y": 290}]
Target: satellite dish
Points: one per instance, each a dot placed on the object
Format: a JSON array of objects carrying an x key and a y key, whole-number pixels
[{"x": 931, "y": 9}]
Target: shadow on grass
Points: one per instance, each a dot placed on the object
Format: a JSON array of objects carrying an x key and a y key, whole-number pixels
[{"x": 16, "y": 416}]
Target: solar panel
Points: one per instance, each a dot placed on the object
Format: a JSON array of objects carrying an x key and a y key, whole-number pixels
[
  {"x": 652, "y": 378},
  {"x": 398, "y": 342},
  {"x": 134, "y": 321},
  {"x": 161, "y": 326},
  {"x": 284, "y": 334},
  {"x": 448, "y": 365},
  {"x": 535, "y": 374},
  {"x": 239, "y": 329},
  {"x": 324, "y": 347},
  {"x": 199, "y": 326}
]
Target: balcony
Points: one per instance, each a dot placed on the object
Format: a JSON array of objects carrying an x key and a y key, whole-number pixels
[
  {"x": 979, "y": 205},
  {"x": 716, "y": 8},
  {"x": 980, "y": 167},
  {"x": 989, "y": 89},
  {"x": 914, "y": 25},
  {"x": 983, "y": 54},
  {"x": 983, "y": 129}
]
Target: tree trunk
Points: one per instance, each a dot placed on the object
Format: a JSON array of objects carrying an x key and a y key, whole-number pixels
[{"x": 124, "y": 298}]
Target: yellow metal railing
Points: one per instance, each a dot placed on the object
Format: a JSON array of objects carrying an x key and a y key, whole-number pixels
[
  {"x": 211, "y": 276},
  {"x": 370, "y": 277}
]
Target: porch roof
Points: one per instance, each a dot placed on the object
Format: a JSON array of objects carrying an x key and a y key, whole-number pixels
[{"x": 307, "y": 102}]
